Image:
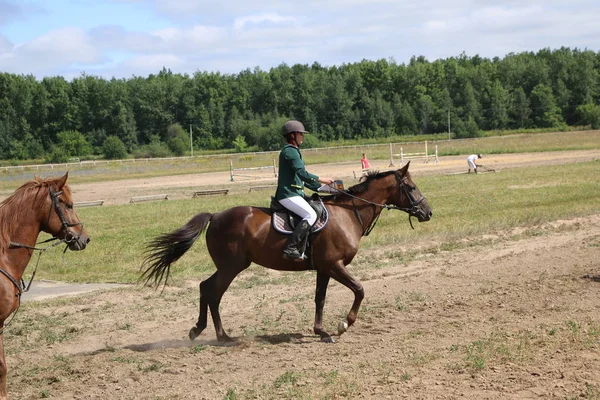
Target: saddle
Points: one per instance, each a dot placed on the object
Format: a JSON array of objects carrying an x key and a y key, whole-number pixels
[{"x": 284, "y": 221}]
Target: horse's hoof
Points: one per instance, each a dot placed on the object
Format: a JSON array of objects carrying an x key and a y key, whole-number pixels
[
  {"x": 342, "y": 327},
  {"x": 193, "y": 333},
  {"x": 327, "y": 339}
]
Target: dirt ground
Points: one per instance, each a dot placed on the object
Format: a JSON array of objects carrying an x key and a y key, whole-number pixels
[{"x": 503, "y": 317}]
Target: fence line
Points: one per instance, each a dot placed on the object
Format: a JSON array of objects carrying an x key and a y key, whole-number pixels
[{"x": 182, "y": 158}]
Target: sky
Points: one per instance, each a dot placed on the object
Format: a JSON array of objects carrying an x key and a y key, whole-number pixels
[{"x": 125, "y": 38}]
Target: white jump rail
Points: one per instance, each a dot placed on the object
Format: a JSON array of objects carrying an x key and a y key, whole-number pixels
[
  {"x": 213, "y": 192},
  {"x": 232, "y": 171},
  {"x": 92, "y": 203},
  {"x": 411, "y": 156},
  {"x": 151, "y": 197}
]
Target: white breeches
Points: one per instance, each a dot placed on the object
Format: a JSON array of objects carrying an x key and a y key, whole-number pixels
[{"x": 299, "y": 206}]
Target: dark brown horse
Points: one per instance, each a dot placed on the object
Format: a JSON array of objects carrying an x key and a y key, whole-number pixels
[
  {"x": 241, "y": 235},
  {"x": 39, "y": 205}
]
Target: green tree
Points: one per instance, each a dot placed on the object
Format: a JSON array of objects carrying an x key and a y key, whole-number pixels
[
  {"x": 72, "y": 144},
  {"x": 546, "y": 113},
  {"x": 519, "y": 109},
  {"x": 239, "y": 144},
  {"x": 178, "y": 140},
  {"x": 114, "y": 148},
  {"x": 590, "y": 115},
  {"x": 498, "y": 101}
]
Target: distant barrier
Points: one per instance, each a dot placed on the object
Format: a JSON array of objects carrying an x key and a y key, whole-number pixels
[
  {"x": 263, "y": 187},
  {"x": 248, "y": 172},
  {"x": 89, "y": 203},
  {"x": 361, "y": 172},
  {"x": 213, "y": 192},
  {"x": 411, "y": 156},
  {"x": 151, "y": 197}
]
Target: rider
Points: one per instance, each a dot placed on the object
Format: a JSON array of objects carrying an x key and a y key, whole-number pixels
[
  {"x": 471, "y": 162},
  {"x": 290, "y": 187}
]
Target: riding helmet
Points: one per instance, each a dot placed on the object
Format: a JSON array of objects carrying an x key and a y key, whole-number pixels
[{"x": 291, "y": 127}]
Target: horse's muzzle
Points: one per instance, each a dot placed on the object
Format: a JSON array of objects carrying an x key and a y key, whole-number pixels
[
  {"x": 77, "y": 242},
  {"x": 423, "y": 212}
]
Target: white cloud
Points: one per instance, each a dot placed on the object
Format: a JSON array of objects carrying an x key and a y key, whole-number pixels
[
  {"x": 67, "y": 44},
  {"x": 232, "y": 35},
  {"x": 273, "y": 18},
  {"x": 5, "y": 45}
]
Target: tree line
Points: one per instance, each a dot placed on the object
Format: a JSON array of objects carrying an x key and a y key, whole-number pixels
[{"x": 55, "y": 119}]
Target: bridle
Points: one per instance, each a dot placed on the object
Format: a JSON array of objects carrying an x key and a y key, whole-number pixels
[
  {"x": 68, "y": 238},
  {"x": 404, "y": 188}
]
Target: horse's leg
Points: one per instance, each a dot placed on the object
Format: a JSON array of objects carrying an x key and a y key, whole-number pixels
[
  {"x": 3, "y": 368},
  {"x": 222, "y": 282},
  {"x": 204, "y": 288},
  {"x": 211, "y": 292},
  {"x": 320, "y": 293},
  {"x": 341, "y": 274}
]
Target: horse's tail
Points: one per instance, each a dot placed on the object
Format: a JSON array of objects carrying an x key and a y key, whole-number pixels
[{"x": 165, "y": 249}]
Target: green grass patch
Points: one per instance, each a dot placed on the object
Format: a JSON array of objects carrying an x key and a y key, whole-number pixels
[{"x": 464, "y": 206}]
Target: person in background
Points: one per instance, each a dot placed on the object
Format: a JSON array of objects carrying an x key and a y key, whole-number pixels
[
  {"x": 365, "y": 162},
  {"x": 290, "y": 187},
  {"x": 471, "y": 162}
]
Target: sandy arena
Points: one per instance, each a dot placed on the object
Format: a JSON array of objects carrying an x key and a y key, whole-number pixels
[{"x": 508, "y": 317}]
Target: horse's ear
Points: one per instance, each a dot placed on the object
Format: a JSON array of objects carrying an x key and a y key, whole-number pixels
[
  {"x": 36, "y": 178},
  {"x": 61, "y": 181},
  {"x": 404, "y": 169}
]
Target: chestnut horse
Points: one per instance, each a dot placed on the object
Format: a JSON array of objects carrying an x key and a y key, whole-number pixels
[
  {"x": 40, "y": 205},
  {"x": 241, "y": 235}
]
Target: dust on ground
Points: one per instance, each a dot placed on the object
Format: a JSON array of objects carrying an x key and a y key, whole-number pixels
[{"x": 502, "y": 317}]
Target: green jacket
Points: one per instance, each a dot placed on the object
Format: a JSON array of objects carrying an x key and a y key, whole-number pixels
[{"x": 292, "y": 175}]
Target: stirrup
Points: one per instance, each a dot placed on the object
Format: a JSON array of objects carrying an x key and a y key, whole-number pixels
[{"x": 294, "y": 255}]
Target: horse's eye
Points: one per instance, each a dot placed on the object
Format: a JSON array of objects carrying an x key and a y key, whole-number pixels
[{"x": 69, "y": 206}]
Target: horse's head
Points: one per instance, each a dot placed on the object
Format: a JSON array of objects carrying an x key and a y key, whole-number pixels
[
  {"x": 62, "y": 221},
  {"x": 410, "y": 198}
]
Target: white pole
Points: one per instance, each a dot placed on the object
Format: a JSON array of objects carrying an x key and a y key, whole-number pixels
[
  {"x": 191, "y": 143},
  {"x": 448, "y": 124}
]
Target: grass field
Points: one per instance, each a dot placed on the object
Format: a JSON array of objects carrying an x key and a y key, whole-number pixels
[{"x": 463, "y": 206}]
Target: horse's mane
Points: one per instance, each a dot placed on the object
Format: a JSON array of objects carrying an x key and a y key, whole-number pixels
[
  {"x": 29, "y": 197},
  {"x": 364, "y": 183}
]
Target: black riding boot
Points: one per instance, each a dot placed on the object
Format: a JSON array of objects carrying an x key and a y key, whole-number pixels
[{"x": 292, "y": 248}]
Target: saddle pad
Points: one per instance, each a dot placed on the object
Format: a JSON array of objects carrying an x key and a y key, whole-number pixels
[{"x": 281, "y": 222}]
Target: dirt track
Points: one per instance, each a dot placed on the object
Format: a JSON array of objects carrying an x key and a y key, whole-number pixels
[
  {"x": 501, "y": 318},
  {"x": 182, "y": 186}
]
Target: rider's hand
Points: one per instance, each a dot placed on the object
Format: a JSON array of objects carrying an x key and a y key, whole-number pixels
[{"x": 326, "y": 181}]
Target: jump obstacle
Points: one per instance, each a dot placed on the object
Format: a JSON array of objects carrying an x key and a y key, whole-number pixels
[
  {"x": 261, "y": 187},
  {"x": 411, "y": 156},
  {"x": 213, "y": 192},
  {"x": 232, "y": 171},
  {"x": 152, "y": 197},
  {"x": 88, "y": 203},
  {"x": 362, "y": 172}
]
